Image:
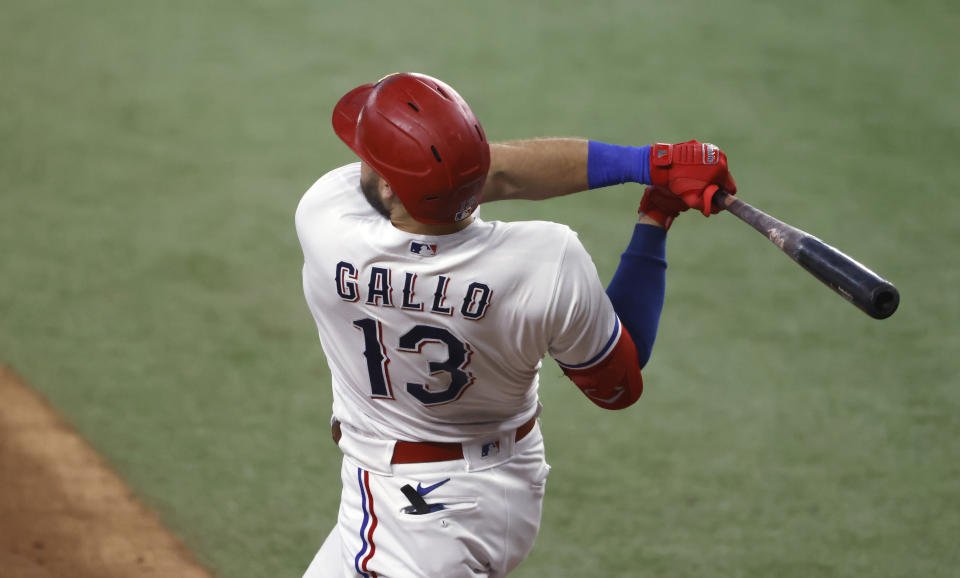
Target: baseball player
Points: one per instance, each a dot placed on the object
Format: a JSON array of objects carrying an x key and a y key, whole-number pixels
[{"x": 434, "y": 322}]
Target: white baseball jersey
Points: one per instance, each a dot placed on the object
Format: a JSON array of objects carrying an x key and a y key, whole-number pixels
[{"x": 440, "y": 338}]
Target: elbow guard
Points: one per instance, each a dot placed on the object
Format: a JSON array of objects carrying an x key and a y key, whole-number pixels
[{"x": 615, "y": 382}]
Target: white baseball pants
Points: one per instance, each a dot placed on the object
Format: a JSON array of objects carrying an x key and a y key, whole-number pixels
[{"x": 481, "y": 523}]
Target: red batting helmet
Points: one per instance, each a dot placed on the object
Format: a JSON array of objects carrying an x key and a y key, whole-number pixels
[{"x": 420, "y": 136}]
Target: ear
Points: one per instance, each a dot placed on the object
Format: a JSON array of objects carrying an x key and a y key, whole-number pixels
[{"x": 386, "y": 193}]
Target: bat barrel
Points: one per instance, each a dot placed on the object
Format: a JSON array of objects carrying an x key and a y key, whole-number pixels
[{"x": 873, "y": 294}]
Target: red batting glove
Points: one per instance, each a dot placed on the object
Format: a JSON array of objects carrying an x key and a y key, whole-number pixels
[
  {"x": 661, "y": 205},
  {"x": 694, "y": 171}
]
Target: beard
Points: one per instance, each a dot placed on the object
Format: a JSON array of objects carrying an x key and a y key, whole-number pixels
[{"x": 370, "y": 185}]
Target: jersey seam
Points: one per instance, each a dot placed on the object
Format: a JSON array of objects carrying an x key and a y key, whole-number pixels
[{"x": 556, "y": 280}]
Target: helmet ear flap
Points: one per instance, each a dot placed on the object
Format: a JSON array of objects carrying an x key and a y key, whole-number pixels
[{"x": 421, "y": 136}]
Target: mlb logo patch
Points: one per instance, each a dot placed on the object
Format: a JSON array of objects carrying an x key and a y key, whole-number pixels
[
  {"x": 489, "y": 450},
  {"x": 423, "y": 249}
]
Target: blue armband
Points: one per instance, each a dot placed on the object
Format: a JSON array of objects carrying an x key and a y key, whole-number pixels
[
  {"x": 638, "y": 287},
  {"x": 609, "y": 164}
]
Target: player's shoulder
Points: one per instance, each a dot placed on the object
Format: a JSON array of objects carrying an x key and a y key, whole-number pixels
[
  {"x": 336, "y": 192},
  {"x": 542, "y": 231},
  {"x": 541, "y": 237}
]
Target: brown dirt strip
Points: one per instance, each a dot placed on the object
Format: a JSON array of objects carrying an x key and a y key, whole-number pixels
[{"x": 63, "y": 511}]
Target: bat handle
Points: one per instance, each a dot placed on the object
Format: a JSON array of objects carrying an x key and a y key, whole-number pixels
[
  {"x": 724, "y": 200},
  {"x": 780, "y": 234}
]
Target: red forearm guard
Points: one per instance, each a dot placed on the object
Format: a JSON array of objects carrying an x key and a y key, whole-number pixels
[{"x": 615, "y": 382}]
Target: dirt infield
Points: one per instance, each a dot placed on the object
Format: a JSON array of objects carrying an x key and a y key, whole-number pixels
[{"x": 63, "y": 512}]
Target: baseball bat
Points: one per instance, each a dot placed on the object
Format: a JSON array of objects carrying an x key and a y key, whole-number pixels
[{"x": 873, "y": 294}]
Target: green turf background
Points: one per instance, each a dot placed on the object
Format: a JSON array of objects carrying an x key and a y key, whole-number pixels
[{"x": 152, "y": 154}]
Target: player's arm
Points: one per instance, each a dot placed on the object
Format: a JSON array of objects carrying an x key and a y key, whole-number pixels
[
  {"x": 636, "y": 294},
  {"x": 536, "y": 169},
  {"x": 638, "y": 286},
  {"x": 539, "y": 169},
  {"x": 591, "y": 334}
]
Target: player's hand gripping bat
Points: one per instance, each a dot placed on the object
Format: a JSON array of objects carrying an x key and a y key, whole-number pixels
[{"x": 873, "y": 294}]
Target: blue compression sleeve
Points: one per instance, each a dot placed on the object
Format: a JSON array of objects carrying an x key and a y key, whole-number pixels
[
  {"x": 638, "y": 286},
  {"x": 609, "y": 164}
]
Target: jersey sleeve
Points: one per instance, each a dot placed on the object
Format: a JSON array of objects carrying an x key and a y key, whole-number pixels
[{"x": 583, "y": 325}]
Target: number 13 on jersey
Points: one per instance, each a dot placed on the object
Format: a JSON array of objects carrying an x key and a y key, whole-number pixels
[{"x": 412, "y": 342}]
